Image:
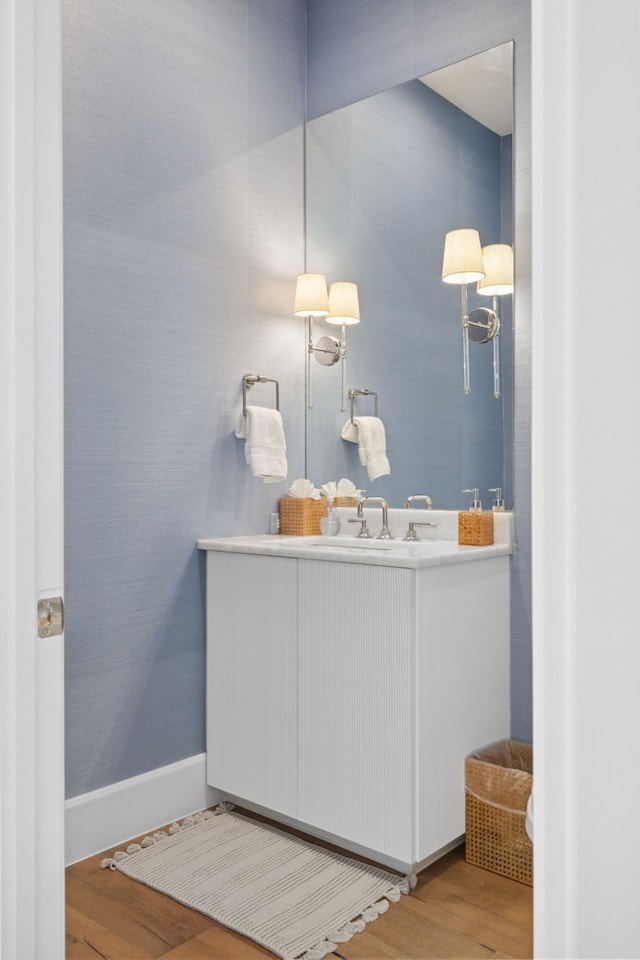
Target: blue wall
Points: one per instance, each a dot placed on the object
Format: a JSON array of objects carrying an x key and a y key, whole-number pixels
[{"x": 183, "y": 237}]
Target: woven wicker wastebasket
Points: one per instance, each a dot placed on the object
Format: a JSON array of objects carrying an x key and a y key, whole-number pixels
[{"x": 498, "y": 781}]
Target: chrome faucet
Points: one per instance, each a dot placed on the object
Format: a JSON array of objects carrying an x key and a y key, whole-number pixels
[
  {"x": 384, "y": 534},
  {"x": 419, "y": 496}
]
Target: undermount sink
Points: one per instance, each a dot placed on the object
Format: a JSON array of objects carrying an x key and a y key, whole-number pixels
[{"x": 361, "y": 543}]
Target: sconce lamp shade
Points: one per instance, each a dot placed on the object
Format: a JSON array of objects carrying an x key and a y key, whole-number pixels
[
  {"x": 343, "y": 303},
  {"x": 462, "y": 261},
  {"x": 498, "y": 266},
  {"x": 312, "y": 299}
]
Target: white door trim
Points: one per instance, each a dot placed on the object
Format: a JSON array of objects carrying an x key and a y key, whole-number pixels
[
  {"x": 586, "y": 397},
  {"x": 31, "y": 511}
]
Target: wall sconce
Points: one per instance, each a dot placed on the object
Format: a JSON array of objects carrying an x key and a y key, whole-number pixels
[
  {"x": 497, "y": 282},
  {"x": 344, "y": 309},
  {"x": 465, "y": 261},
  {"x": 338, "y": 306}
]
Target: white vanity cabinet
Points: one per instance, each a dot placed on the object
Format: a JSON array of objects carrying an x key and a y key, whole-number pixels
[
  {"x": 252, "y": 639},
  {"x": 356, "y": 680},
  {"x": 346, "y": 695}
]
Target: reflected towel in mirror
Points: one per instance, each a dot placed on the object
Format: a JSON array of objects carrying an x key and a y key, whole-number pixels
[
  {"x": 368, "y": 433},
  {"x": 265, "y": 448}
]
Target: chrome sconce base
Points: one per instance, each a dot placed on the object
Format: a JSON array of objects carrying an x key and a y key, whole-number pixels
[
  {"x": 483, "y": 325},
  {"x": 327, "y": 351}
]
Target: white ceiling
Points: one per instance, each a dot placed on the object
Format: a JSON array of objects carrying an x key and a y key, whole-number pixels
[{"x": 482, "y": 86}]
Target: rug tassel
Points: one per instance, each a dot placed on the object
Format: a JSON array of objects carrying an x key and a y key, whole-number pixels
[
  {"x": 369, "y": 915},
  {"x": 320, "y": 950},
  {"x": 148, "y": 841},
  {"x": 112, "y": 862},
  {"x": 346, "y": 932}
]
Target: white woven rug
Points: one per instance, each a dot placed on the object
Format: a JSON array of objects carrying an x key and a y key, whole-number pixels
[{"x": 296, "y": 899}]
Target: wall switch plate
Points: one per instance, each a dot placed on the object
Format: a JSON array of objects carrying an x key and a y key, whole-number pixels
[{"x": 274, "y": 523}]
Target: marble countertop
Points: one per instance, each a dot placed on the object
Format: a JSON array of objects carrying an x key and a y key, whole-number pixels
[{"x": 349, "y": 549}]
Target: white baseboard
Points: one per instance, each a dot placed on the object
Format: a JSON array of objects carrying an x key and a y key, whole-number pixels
[{"x": 107, "y": 817}]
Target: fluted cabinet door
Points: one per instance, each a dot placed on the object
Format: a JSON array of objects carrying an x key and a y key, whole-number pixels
[
  {"x": 356, "y": 703},
  {"x": 463, "y": 675},
  {"x": 251, "y": 678}
]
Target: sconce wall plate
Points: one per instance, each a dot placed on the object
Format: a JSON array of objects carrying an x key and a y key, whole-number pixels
[
  {"x": 327, "y": 351},
  {"x": 483, "y": 325}
]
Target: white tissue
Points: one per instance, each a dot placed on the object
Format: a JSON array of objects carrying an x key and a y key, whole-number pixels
[
  {"x": 303, "y": 488},
  {"x": 343, "y": 488}
]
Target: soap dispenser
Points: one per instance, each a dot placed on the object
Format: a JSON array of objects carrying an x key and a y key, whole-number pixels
[
  {"x": 475, "y": 526},
  {"x": 330, "y": 523},
  {"x": 498, "y": 502}
]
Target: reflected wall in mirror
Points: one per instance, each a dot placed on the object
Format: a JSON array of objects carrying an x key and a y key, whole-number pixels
[{"x": 386, "y": 179}]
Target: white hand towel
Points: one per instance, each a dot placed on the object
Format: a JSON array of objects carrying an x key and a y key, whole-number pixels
[
  {"x": 368, "y": 433},
  {"x": 265, "y": 449}
]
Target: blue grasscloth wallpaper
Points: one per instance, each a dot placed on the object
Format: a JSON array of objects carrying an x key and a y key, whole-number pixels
[
  {"x": 184, "y": 225},
  {"x": 183, "y": 237}
]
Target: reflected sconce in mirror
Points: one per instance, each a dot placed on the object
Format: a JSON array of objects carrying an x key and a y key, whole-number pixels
[
  {"x": 338, "y": 306},
  {"x": 491, "y": 267},
  {"x": 344, "y": 309},
  {"x": 497, "y": 282}
]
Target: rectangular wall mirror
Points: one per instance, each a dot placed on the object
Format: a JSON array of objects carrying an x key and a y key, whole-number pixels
[{"x": 386, "y": 179}]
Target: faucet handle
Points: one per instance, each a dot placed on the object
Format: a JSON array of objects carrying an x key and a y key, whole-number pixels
[
  {"x": 363, "y": 532},
  {"x": 411, "y": 532},
  {"x": 418, "y": 496}
]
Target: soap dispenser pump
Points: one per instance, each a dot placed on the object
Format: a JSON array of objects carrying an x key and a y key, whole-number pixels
[
  {"x": 498, "y": 502},
  {"x": 475, "y": 506},
  {"x": 475, "y": 526}
]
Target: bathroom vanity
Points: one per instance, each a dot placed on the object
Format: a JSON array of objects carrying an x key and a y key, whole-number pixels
[{"x": 347, "y": 680}]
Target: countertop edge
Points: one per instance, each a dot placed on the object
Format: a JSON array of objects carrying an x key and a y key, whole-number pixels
[{"x": 261, "y": 545}]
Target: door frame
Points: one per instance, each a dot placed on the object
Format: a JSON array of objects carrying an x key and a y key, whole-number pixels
[
  {"x": 586, "y": 397},
  {"x": 31, "y": 481},
  {"x": 31, "y": 512}
]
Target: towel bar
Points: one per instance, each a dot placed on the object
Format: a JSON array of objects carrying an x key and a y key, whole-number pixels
[
  {"x": 365, "y": 393},
  {"x": 248, "y": 381}
]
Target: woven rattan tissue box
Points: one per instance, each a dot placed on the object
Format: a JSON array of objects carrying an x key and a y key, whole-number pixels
[{"x": 301, "y": 516}]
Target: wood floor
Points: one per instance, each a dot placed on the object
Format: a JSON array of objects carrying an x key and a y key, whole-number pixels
[{"x": 456, "y": 911}]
